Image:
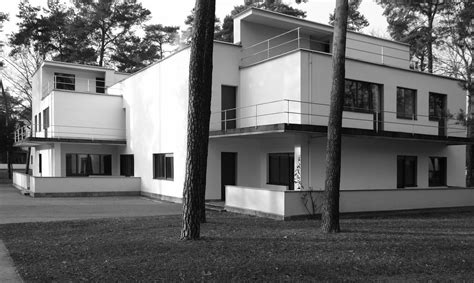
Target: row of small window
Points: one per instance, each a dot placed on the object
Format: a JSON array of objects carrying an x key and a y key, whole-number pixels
[
  {"x": 366, "y": 97},
  {"x": 68, "y": 82},
  {"x": 281, "y": 170},
  {"x": 42, "y": 122}
]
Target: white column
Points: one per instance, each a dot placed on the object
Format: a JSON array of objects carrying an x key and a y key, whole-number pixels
[
  {"x": 302, "y": 163},
  {"x": 56, "y": 160}
]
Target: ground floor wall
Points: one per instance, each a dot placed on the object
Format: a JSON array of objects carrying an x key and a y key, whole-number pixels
[
  {"x": 49, "y": 160},
  {"x": 367, "y": 164}
]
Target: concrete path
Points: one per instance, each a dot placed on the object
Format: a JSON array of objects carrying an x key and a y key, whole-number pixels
[
  {"x": 8, "y": 272},
  {"x": 16, "y": 208}
]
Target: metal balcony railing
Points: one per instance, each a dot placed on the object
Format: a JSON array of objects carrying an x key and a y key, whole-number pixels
[
  {"x": 77, "y": 84},
  {"x": 310, "y": 113},
  {"x": 70, "y": 132},
  {"x": 300, "y": 38}
]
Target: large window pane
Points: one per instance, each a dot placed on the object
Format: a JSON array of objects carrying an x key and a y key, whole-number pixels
[
  {"x": 65, "y": 81},
  {"x": 163, "y": 166},
  {"x": 281, "y": 169},
  {"x": 360, "y": 96},
  {"x": 88, "y": 164},
  {"x": 406, "y": 103}
]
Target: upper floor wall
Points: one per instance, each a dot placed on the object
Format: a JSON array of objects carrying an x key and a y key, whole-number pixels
[
  {"x": 265, "y": 34},
  {"x": 77, "y": 101}
]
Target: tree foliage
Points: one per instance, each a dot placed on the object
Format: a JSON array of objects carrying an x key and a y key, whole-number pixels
[
  {"x": 413, "y": 22},
  {"x": 355, "y": 21},
  {"x": 92, "y": 32}
]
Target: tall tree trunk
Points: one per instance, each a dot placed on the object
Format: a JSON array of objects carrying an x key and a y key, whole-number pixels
[
  {"x": 470, "y": 134},
  {"x": 199, "y": 112},
  {"x": 330, "y": 207},
  {"x": 102, "y": 48}
]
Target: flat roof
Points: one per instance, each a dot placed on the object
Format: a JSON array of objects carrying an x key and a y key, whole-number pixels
[{"x": 283, "y": 20}]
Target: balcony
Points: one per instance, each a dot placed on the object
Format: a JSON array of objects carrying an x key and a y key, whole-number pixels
[
  {"x": 294, "y": 115},
  {"x": 23, "y": 136},
  {"x": 306, "y": 39},
  {"x": 71, "y": 83}
]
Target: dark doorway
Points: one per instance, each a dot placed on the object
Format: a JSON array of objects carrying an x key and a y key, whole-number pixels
[
  {"x": 126, "y": 165},
  {"x": 406, "y": 171},
  {"x": 228, "y": 105},
  {"x": 228, "y": 171}
]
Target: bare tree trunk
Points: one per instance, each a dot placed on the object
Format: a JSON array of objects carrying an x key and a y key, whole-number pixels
[
  {"x": 199, "y": 112},
  {"x": 330, "y": 206}
]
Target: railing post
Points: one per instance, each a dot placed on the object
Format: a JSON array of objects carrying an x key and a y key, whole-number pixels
[
  {"x": 288, "y": 111},
  {"x": 268, "y": 49},
  {"x": 225, "y": 120},
  {"x": 382, "y": 53},
  {"x": 256, "y": 115},
  {"x": 298, "y": 38}
]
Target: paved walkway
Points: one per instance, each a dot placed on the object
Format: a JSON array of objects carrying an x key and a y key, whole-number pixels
[{"x": 16, "y": 208}]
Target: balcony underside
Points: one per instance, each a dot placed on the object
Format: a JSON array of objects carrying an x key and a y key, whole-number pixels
[
  {"x": 34, "y": 141},
  {"x": 322, "y": 130}
]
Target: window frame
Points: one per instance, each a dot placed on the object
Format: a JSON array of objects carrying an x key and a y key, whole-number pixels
[
  {"x": 167, "y": 160},
  {"x": 46, "y": 119},
  {"x": 434, "y": 117},
  {"x": 403, "y": 115},
  {"x": 100, "y": 85},
  {"x": 372, "y": 99},
  {"x": 290, "y": 173},
  {"x": 101, "y": 158},
  {"x": 65, "y": 82}
]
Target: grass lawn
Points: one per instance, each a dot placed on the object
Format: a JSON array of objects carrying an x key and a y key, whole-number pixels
[{"x": 242, "y": 248}]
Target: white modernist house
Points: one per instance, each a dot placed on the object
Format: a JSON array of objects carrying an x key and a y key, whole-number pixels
[{"x": 270, "y": 102}]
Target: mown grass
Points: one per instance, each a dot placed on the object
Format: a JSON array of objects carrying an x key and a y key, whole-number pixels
[{"x": 242, "y": 248}]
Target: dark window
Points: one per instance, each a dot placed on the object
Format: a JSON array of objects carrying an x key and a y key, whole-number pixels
[
  {"x": 163, "y": 166},
  {"x": 437, "y": 171},
  {"x": 65, "y": 81},
  {"x": 39, "y": 121},
  {"x": 88, "y": 164},
  {"x": 99, "y": 85},
  {"x": 36, "y": 123},
  {"x": 40, "y": 163},
  {"x": 361, "y": 96},
  {"x": 406, "y": 103},
  {"x": 281, "y": 169},
  {"x": 406, "y": 171},
  {"x": 46, "y": 118},
  {"x": 437, "y": 105},
  {"x": 126, "y": 165}
]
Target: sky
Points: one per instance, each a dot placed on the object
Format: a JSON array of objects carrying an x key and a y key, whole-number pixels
[{"x": 175, "y": 12}]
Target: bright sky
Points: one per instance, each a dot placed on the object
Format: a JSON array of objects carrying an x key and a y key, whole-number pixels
[{"x": 174, "y": 12}]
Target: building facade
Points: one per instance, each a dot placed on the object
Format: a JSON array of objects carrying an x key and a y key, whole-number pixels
[{"x": 270, "y": 104}]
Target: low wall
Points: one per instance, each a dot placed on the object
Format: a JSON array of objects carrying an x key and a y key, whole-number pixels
[
  {"x": 281, "y": 204},
  {"x": 83, "y": 186},
  {"x": 21, "y": 180},
  {"x": 4, "y": 166}
]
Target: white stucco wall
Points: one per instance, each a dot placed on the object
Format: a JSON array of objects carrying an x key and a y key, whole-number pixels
[
  {"x": 367, "y": 164},
  {"x": 84, "y": 184}
]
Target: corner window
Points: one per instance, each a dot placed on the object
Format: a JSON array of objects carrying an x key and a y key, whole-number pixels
[
  {"x": 65, "y": 81},
  {"x": 406, "y": 171},
  {"x": 406, "y": 103},
  {"x": 163, "y": 166},
  {"x": 360, "y": 96},
  {"x": 437, "y": 172},
  {"x": 281, "y": 169},
  {"x": 88, "y": 164}
]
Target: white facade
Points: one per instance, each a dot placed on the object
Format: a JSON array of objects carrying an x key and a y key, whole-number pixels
[{"x": 270, "y": 105}]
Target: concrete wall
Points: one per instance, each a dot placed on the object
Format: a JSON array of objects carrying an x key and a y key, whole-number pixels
[
  {"x": 156, "y": 103},
  {"x": 280, "y": 204},
  {"x": 21, "y": 180},
  {"x": 367, "y": 164},
  {"x": 42, "y": 185},
  {"x": 89, "y": 116}
]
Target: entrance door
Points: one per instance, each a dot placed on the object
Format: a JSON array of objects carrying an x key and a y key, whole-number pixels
[
  {"x": 228, "y": 105},
  {"x": 228, "y": 171}
]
